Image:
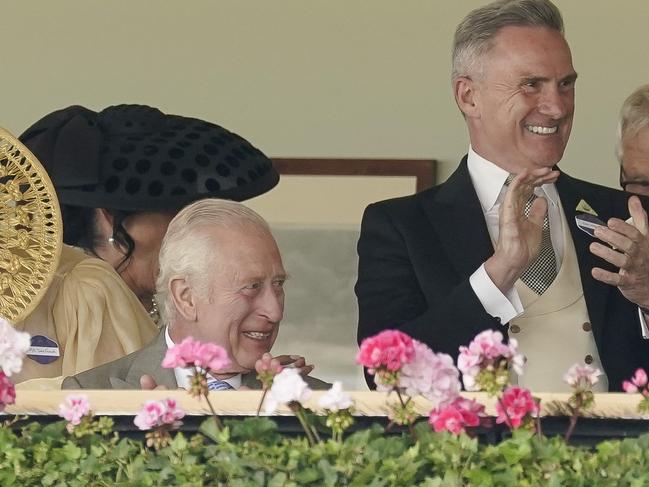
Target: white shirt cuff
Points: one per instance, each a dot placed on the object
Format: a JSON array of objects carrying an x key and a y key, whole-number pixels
[
  {"x": 503, "y": 306},
  {"x": 643, "y": 325}
]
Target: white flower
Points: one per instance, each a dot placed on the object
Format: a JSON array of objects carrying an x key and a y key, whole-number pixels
[
  {"x": 288, "y": 386},
  {"x": 584, "y": 375},
  {"x": 13, "y": 347},
  {"x": 335, "y": 399}
]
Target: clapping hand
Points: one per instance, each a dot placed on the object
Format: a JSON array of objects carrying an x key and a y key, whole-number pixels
[{"x": 519, "y": 238}]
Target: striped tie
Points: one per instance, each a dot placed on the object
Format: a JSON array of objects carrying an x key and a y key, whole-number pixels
[
  {"x": 218, "y": 385},
  {"x": 541, "y": 272}
]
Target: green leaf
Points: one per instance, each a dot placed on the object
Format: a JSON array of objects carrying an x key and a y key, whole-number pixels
[
  {"x": 179, "y": 443},
  {"x": 71, "y": 451},
  {"x": 210, "y": 429},
  {"x": 278, "y": 480},
  {"x": 259, "y": 429}
]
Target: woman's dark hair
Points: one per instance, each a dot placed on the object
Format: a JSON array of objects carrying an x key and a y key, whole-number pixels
[{"x": 81, "y": 230}]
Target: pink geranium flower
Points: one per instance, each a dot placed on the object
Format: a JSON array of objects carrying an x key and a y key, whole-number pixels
[
  {"x": 448, "y": 418},
  {"x": 7, "y": 391},
  {"x": 190, "y": 352},
  {"x": 430, "y": 374},
  {"x": 159, "y": 413},
  {"x": 487, "y": 350},
  {"x": 515, "y": 405},
  {"x": 75, "y": 407},
  {"x": 637, "y": 382},
  {"x": 389, "y": 349},
  {"x": 268, "y": 365},
  {"x": 471, "y": 410},
  {"x": 581, "y": 375},
  {"x": 456, "y": 416},
  {"x": 13, "y": 348}
]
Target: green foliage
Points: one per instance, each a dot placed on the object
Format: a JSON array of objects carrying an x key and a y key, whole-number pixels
[{"x": 251, "y": 452}]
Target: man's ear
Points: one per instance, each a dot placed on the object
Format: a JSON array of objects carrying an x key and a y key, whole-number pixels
[
  {"x": 466, "y": 96},
  {"x": 184, "y": 299}
]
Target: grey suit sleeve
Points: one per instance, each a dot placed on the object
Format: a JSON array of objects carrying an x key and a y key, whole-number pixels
[
  {"x": 317, "y": 384},
  {"x": 71, "y": 383}
]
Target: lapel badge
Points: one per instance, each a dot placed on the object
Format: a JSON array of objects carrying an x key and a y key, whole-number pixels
[
  {"x": 587, "y": 219},
  {"x": 584, "y": 207}
]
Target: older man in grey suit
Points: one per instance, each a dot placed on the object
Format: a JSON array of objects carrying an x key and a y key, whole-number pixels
[{"x": 221, "y": 280}]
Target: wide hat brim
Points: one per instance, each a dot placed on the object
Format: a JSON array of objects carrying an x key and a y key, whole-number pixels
[
  {"x": 101, "y": 199},
  {"x": 136, "y": 158},
  {"x": 31, "y": 230}
]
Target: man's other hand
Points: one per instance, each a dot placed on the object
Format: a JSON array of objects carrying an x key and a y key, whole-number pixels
[
  {"x": 296, "y": 362},
  {"x": 148, "y": 384},
  {"x": 628, "y": 251}
]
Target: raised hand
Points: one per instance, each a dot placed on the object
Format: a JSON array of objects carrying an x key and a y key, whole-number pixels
[
  {"x": 519, "y": 238},
  {"x": 295, "y": 361},
  {"x": 148, "y": 383},
  {"x": 628, "y": 251}
]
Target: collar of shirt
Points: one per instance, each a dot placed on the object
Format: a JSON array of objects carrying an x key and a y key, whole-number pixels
[
  {"x": 184, "y": 374},
  {"x": 489, "y": 179}
]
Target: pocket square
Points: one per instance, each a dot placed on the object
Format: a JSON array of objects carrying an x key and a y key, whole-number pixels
[{"x": 588, "y": 222}]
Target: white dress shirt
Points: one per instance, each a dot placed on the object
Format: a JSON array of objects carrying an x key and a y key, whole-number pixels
[
  {"x": 489, "y": 182},
  {"x": 184, "y": 374}
]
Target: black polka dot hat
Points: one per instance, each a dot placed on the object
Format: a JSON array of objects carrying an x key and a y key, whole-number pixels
[{"x": 136, "y": 158}]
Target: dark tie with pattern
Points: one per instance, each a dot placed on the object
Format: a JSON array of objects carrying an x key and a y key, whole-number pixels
[
  {"x": 218, "y": 385},
  {"x": 541, "y": 272}
]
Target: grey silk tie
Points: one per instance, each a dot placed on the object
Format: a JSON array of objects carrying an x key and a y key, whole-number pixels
[{"x": 541, "y": 272}]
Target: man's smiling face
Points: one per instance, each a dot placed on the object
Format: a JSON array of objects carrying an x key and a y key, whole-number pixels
[
  {"x": 524, "y": 99},
  {"x": 246, "y": 296}
]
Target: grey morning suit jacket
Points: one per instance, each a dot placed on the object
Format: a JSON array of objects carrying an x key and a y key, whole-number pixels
[{"x": 125, "y": 373}]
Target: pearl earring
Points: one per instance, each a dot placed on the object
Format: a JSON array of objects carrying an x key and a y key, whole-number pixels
[{"x": 111, "y": 240}]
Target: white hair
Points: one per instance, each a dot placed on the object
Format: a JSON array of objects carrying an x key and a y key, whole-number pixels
[
  {"x": 189, "y": 250},
  {"x": 634, "y": 116},
  {"x": 474, "y": 36}
]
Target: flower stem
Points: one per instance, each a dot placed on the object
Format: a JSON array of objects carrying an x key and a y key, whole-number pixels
[
  {"x": 403, "y": 404},
  {"x": 261, "y": 402},
  {"x": 571, "y": 427},
  {"x": 217, "y": 420},
  {"x": 296, "y": 407},
  {"x": 573, "y": 418},
  {"x": 539, "y": 432}
]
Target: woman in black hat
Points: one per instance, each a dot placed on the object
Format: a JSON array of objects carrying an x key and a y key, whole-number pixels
[{"x": 121, "y": 175}]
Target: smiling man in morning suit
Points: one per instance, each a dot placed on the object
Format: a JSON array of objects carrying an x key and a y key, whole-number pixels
[{"x": 462, "y": 257}]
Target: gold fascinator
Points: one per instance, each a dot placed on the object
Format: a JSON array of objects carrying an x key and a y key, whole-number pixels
[{"x": 31, "y": 230}]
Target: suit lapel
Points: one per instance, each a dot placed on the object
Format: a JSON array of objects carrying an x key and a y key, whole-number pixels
[
  {"x": 250, "y": 380},
  {"x": 149, "y": 361},
  {"x": 595, "y": 292},
  {"x": 456, "y": 215}
]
